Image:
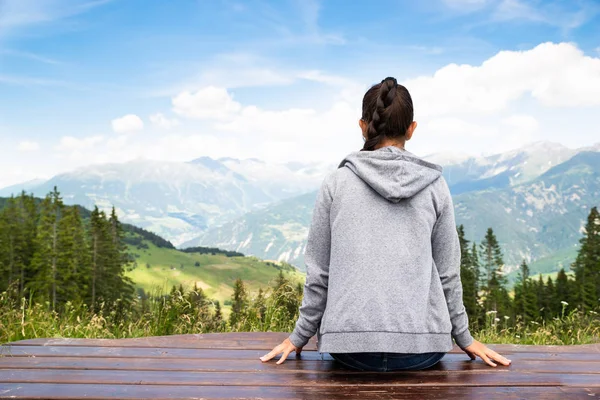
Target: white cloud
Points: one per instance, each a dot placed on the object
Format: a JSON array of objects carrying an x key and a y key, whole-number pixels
[
  {"x": 497, "y": 105},
  {"x": 459, "y": 107},
  {"x": 161, "y": 121},
  {"x": 557, "y": 75},
  {"x": 207, "y": 103},
  {"x": 127, "y": 123},
  {"x": 27, "y": 146}
]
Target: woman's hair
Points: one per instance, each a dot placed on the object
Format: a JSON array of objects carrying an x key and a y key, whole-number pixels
[{"x": 388, "y": 111}]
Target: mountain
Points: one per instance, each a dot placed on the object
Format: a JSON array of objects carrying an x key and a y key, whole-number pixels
[
  {"x": 280, "y": 180},
  {"x": 277, "y": 232},
  {"x": 180, "y": 200},
  {"x": 16, "y": 189},
  {"x": 539, "y": 220},
  {"x": 201, "y": 201},
  {"x": 503, "y": 169}
]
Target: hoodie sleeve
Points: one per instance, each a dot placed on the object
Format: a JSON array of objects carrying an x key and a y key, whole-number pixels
[
  {"x": 446, "y": 255},
  {"x": 317, "y": 269}
]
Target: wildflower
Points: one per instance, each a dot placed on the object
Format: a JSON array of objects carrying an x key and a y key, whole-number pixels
[
  {"x": 506, "y": 317},
  {"x": 564, "y": 303},
  {"x": 496, "y": 319},
  {"x": 491, "y": 312}
]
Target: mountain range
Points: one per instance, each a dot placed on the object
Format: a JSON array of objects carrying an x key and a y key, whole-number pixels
[
  {"x": 535, "y": 198},
  {"x": 180, "y": 201}
]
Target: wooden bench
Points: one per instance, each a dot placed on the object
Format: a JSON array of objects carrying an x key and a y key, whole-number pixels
[{"x": 218, "y": 366}]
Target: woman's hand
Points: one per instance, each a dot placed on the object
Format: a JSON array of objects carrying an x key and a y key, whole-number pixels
[
  {"x": 286, "y": 347},
  {"x": 479, "y": 349}
]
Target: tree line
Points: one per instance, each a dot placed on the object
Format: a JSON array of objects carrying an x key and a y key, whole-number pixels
[
  {"x": 50, "y": 254},
  {"x": 485, "y": 291},
  {"x": 486, "y": 294}
]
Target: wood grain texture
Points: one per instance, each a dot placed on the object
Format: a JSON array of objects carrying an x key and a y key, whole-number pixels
[
  {"x": 220, "y": 366},
  {"x": 97, "y": 392}
]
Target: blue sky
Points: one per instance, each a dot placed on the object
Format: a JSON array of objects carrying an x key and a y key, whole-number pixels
[{"x": 109, "y": 81}]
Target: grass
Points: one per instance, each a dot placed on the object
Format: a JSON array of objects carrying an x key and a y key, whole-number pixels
[
  {"x": 569, "y": 329},
  {"x": 158, "y": 315},
  {"x": 177, "y": 314},
  {"x": 166, "y": 315},
  {"x": 215, "y": 273}
]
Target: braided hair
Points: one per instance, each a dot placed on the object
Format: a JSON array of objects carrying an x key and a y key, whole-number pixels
[{"x": 388, "y": 110}]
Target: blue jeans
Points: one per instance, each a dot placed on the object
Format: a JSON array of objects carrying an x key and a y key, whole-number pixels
[{"x": 383, "y": 362}]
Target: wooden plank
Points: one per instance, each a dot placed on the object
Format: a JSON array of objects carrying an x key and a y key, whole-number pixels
[
  {"x": 161, "y": 352},
  {"x": 129, "y": 392},
  {"x": 258, "y": 341},
  {"x": 205, "y": 341},
  {"x": 501, "y": 378},
  {"x": 291, "y": 365},
  {"x": 95, "y": 392},
  {"x": 126, "y": 352}
]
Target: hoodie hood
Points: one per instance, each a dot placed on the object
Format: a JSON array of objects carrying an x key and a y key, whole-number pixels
[{"x": 394, "y": 173}]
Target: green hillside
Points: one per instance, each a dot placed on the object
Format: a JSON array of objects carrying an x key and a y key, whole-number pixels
[{"x": 157, "y": 269}]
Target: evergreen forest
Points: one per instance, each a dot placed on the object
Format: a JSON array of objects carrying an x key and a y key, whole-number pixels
[{"x": 62, "y": 273}]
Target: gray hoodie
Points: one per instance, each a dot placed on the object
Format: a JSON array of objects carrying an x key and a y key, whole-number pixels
[{"x": 383, "y": 259}]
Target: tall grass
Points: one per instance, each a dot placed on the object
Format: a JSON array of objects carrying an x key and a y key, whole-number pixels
[
  {"x": 276, "y": 310},
  {"x": 575, "y": 327}
]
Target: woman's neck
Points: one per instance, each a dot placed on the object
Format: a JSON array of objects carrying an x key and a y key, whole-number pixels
[{"x": 389, "y": 142}]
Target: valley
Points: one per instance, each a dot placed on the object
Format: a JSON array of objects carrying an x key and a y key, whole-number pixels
[{"x": 535, "y": 198}]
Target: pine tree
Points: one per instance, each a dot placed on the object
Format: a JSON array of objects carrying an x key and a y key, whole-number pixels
[
  {"x": 28, "y": 219},
  {"x": 525, "y": 300},
  {"x": 492, "y": 260},
  {"x": 45, "y": 259},
  {"x": 18, "y": 225},
  {"x": 98, "y": 258},
  {"x": 218, "y": 323},
  {"x": 551, "y": 303},
  {"x": 239, "y": 303},
  {"x": 496, "y": 296},
  {"x": 468, "y": 277},
  {"x": 563, "y": 291},
  {"x": 73, "y": 257},
  {"x": 260, "y": 305},
  {"x": 539, "y": 294},
  {"x": 121, "y": 288},
  {"x": 587, "y": 264},
  {"x": 10, "y": 237}
]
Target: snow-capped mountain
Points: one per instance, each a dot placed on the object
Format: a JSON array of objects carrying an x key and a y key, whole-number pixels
[
  {"x": 538, "y": 220},
  {"x": 502, "y": 169}
]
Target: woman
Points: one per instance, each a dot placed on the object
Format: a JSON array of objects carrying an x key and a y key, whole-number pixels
[{"x": 383, "y": 289}]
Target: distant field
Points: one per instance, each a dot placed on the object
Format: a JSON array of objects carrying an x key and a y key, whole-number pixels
[
  {"x": 553, "y": 263},
  {"x": 550, "y": 274},
  {"x": 158, "y": 269}
]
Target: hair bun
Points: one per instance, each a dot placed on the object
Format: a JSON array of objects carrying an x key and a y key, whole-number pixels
[{"x": 389, "y": 78}]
